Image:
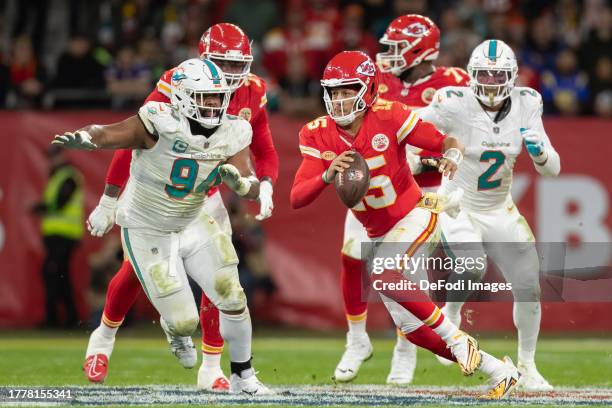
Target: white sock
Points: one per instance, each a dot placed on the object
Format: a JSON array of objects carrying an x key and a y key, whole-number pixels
[
  {"x": 447, "y": 330},
  {"x": 453, "y": 308},
  {"x": 357, "y": 328},
  {"x": 403, "y": 344},
  {"x": 237, "y": 331},
  {"x": 107, "y": 332},
  {"x": 527, "y": 316},
  {"x": 211, "y": 360},
  {"x": 489, "y": 365}
]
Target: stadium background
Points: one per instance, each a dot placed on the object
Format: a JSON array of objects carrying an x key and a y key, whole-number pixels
[{"x": 69, "y": 63}]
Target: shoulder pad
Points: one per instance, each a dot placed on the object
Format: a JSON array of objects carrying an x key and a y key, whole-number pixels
[{"x": 159, "y": 117}]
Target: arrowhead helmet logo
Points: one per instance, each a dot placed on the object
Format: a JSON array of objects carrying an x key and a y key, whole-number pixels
[
  {"x": 367, "y": 68},
  {"x": 415, "y": 30}
]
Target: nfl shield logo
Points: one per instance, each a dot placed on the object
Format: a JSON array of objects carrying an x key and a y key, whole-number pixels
[
  {"x": 206, "y": 144},
  {"x": 495, "y": 129}
]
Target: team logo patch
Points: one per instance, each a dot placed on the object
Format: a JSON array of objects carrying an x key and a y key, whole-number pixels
[
  {"x": 416, "y": 30},
  {"x": 245, "y": 113},
  {"x": 328, "y": 155},
  {"x": 380, "y": 142},
  {"x": 427, "y": 95},
  {"x": 382, "y": 88},
  {"x": 152, "y": 110},
  {"x": 367, "y": 68}
]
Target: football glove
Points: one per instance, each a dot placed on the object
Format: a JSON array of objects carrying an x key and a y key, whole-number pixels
[
  {"x": 102, "y": 218},
  {"x": 534, "y": 143},
  {"x": 232, "y": 178},
  {"x": 266, "y": 205},
  {"x": 75, "y": 140}
]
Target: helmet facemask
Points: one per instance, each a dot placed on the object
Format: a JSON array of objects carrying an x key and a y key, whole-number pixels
[
  {"x": 394, "y": 59},
  {"x": 344, "y": 110},
  {"x": 236, "y": 67},
  {"x": 199, "y": 106},
  {"x": 491, "y": 85}
]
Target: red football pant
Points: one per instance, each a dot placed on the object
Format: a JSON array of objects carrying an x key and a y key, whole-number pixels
[{"x": 122, "y": 292}]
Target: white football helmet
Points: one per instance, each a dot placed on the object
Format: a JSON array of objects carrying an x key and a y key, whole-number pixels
[
  {"x": 193, "y": 81},
  {"x": 492, "y": 69}
]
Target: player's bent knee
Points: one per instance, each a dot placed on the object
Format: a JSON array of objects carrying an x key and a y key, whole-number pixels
[
  {"x": 183, "y": 326},
  {"x": 230, "y": 296}
]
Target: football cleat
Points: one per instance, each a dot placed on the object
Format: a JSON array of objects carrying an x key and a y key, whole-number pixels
[
  {"x": 456, "y": 320},
  {"x": 465, "y": 349},
  {"x": 212, "y": 379},
  {"x": 182, "y": 347},
  {"x": 403, "y": 363},
  {"x": 531, "y": 379},
  {"x": 358, "y": 350},
  {"x": 99, "y": 350},
  {"x": 249, "y": 385},
  {"x": 96, "y": 368},
  {"x": 503, "y": 382}
]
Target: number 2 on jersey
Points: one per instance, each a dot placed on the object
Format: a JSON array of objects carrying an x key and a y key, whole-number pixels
[{"x": 498, "y": 158}]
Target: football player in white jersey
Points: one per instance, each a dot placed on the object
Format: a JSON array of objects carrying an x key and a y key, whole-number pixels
[
  {"x": 495, "y": 119},
  {"x": 181, "y": 150}
]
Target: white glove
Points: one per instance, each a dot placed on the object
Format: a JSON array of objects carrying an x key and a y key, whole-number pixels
[
  {"x": 534, "y": 143},
  {"x": 266, "y": 205},
  {"x": 102, "y": 218},
  {"x": 232, "y": 178},
  {"x": 75, "y": 140}
]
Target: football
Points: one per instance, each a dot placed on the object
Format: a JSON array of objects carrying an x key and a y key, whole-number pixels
[{"x": 354, "y": 182}]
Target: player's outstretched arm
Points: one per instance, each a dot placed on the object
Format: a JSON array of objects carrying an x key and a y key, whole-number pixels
[
  {"x": 238, "y": 175},
  {"x": 127, "y": 134},
  {"x": 544, "y": 156}
]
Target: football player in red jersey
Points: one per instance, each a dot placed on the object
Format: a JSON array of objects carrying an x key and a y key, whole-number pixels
[
  {"x": 229, "y": 47},
  {"x": 408, "y": 76},
  {"x": 394, "y": 209}
]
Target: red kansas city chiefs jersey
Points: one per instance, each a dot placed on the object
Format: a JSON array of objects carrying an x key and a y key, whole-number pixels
[
  {"x": 386, "y": 129},
  {"x": 419, "y": 95}
]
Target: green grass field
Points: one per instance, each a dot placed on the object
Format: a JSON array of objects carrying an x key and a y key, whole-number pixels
[{"x": 54, "y": 359}]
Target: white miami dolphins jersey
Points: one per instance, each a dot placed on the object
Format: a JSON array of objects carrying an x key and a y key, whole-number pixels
[
  {"x": 492, "y": 143},
  {"x": 169, "y": 182}
]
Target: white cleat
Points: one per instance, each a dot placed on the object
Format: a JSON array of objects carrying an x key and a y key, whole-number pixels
[
  {"x": 531, "y": 379},
  {"x": 503, "y": 382},
  {"x": 465, "y": 349},
  {"x": 456, "y": 320},
  {"x": 403, "y": 363},
  {"x": 182, "y": 347},
  {"x": 358, "y": 350},
  {"x": 212, "y": 379},
  {"x": 249, "y": 385}
]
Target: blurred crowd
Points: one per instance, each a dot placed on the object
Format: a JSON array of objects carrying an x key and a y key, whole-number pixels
[{"x": 109, "y": 53}]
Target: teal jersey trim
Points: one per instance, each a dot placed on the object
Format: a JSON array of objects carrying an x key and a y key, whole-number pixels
[{"x": 126, "y": 239}]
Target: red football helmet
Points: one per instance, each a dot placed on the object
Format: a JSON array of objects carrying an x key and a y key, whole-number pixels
[
  {"x": 347, "y": 69},
  {"x": 228, "y": 47},
  {"x": 411, "y": 39}
]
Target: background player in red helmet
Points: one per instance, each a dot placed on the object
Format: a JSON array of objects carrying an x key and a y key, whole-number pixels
[
  {"x": 394, "y": 210},
  {"x": 409, "y": 76},
  {"x": 228, "y": 47}
]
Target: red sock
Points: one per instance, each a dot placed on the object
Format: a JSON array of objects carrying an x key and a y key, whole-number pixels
[
  {"x": 426, "y": 338},
  {"x": 121, "y": 294},
  {"x": 354, "y": 289},
  {"x": 212, "y": 342},
  {"x": 414, "y": 300}
]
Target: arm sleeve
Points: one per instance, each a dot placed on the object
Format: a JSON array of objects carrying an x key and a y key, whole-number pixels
[
  {"x": 418, "y": 133},
  {"x": 262, "y": 146},
  {"x": 552, "y": 165},
  {"x": 308, "y": 183},
  {"x": 119, "y": 170}
]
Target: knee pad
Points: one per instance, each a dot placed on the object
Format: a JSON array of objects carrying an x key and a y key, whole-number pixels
[
  {"x": 229, "y": 293},
  {"x": 183, "y": 326}
]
